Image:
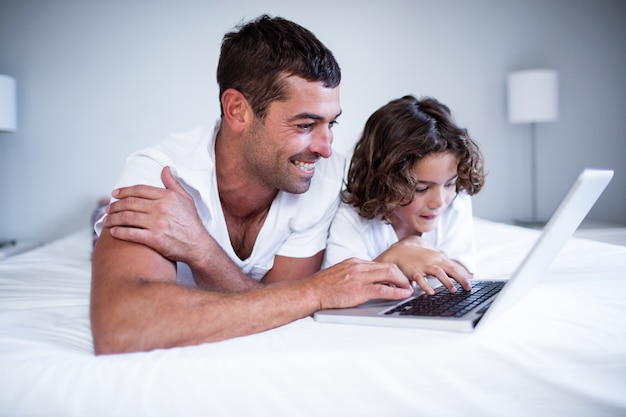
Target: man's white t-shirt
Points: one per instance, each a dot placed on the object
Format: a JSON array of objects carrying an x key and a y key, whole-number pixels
[
  {"x": 296, "y": 224},
  {"x": 354, "y": 236}
]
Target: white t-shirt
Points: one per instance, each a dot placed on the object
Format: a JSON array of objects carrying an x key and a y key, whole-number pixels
[
  {"x": 354, "y": 236},
  {"x": 296, "y": 224}
]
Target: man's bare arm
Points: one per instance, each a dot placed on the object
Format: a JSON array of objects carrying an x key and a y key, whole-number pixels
[{"x": 136, "y": 304}]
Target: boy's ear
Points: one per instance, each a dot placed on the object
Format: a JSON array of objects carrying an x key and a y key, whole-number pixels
[{"x": 237, "y": 110}]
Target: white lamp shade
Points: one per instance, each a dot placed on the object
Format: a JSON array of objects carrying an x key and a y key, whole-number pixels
[
  {"x": 533, "y": 96},
  {"x": 8, "y": 114}
]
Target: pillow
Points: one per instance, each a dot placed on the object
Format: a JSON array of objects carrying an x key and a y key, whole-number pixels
[{"x": 96, "y": 215}]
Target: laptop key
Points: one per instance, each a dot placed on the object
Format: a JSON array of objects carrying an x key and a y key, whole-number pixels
[{"x": 447, "y": 304}]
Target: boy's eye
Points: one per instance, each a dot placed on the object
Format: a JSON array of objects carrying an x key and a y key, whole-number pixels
[{"x": 421, "y": 190}]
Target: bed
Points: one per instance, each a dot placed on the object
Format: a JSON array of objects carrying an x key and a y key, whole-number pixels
[{"x": 561, "y": 351}]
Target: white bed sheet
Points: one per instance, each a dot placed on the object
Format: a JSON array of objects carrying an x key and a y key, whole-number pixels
[{"x": 560, "y": 352}]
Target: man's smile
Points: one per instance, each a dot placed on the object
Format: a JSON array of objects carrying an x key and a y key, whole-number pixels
[{"x": 305, "y": 166}]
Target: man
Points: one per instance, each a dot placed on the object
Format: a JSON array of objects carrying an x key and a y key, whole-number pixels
[{"x": 233, "y": 244}]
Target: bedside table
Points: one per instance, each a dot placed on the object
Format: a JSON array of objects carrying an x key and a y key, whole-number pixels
[{"x": 13, "y": 247}]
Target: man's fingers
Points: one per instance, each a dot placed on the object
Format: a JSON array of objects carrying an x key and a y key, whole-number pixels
[
  {"x": 127, "y": 219},
  {"x": 150, "y": 192},
  {"x": 140, "y": 191},
  {"x": 393, "y": 276},
  {"x": 169, "y": 181},
  {"x": 391, "y": 292},
  {"x": 129, "y": 204},
  {"x": 131, "y": 234}
]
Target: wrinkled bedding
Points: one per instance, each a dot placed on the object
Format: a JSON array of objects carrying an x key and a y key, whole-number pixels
[{"x": 561, "y": 351}]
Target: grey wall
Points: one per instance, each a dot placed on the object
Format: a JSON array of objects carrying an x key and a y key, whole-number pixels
[{"x": 98, "y": 80}]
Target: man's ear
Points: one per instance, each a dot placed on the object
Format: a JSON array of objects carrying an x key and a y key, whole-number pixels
[{"x": 237, "y": 110}]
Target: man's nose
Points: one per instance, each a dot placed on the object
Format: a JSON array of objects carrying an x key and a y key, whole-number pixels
[{"x": 322, "y": 143}]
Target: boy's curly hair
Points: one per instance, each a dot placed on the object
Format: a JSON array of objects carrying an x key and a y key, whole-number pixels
[{"x": 397, "y": 136}]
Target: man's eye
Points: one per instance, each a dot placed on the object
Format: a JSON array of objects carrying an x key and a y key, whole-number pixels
[
  {"x": 421, "y": 190},
  {"x": 306, "y": 126},
  {"x": 333, "y": 123}
]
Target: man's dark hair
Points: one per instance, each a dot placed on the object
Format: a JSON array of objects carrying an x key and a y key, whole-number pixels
[{"x": 257, "y": 56}]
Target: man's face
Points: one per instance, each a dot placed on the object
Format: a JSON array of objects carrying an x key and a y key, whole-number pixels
[{"x": 282, "y": 150}]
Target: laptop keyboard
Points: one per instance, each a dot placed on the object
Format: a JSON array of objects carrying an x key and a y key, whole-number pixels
[{"x": 446, "y": 304}]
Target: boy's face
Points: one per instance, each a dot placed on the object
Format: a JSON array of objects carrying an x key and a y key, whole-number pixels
[
  {"x": 283, "y": 148},
  {"x": 435, "y": 190}
]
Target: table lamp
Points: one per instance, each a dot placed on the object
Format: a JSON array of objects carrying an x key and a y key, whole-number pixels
[{"x": 532, "y": 99}]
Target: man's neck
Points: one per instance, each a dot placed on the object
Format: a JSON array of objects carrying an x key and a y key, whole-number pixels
[{"x": 240, "y": 195}]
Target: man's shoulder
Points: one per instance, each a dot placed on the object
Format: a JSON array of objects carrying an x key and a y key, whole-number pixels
[{"x": 190, "y": 149}]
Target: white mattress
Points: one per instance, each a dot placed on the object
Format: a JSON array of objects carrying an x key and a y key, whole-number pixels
[{"x": 561, "y": 351}]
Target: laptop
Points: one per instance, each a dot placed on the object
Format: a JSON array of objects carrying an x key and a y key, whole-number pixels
[{"x": 488, "y": 299}]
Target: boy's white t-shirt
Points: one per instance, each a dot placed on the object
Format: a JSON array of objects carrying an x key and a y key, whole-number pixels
[
  {"x": 354, "y": 236},
  {"x": 296, "y": 224}
]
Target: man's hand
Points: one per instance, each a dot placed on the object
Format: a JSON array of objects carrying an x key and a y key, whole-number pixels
[
  {"x": 164, "y": 219},
  {"x": 417, "y": 259},
  {"x": 354, "y": 281}
]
